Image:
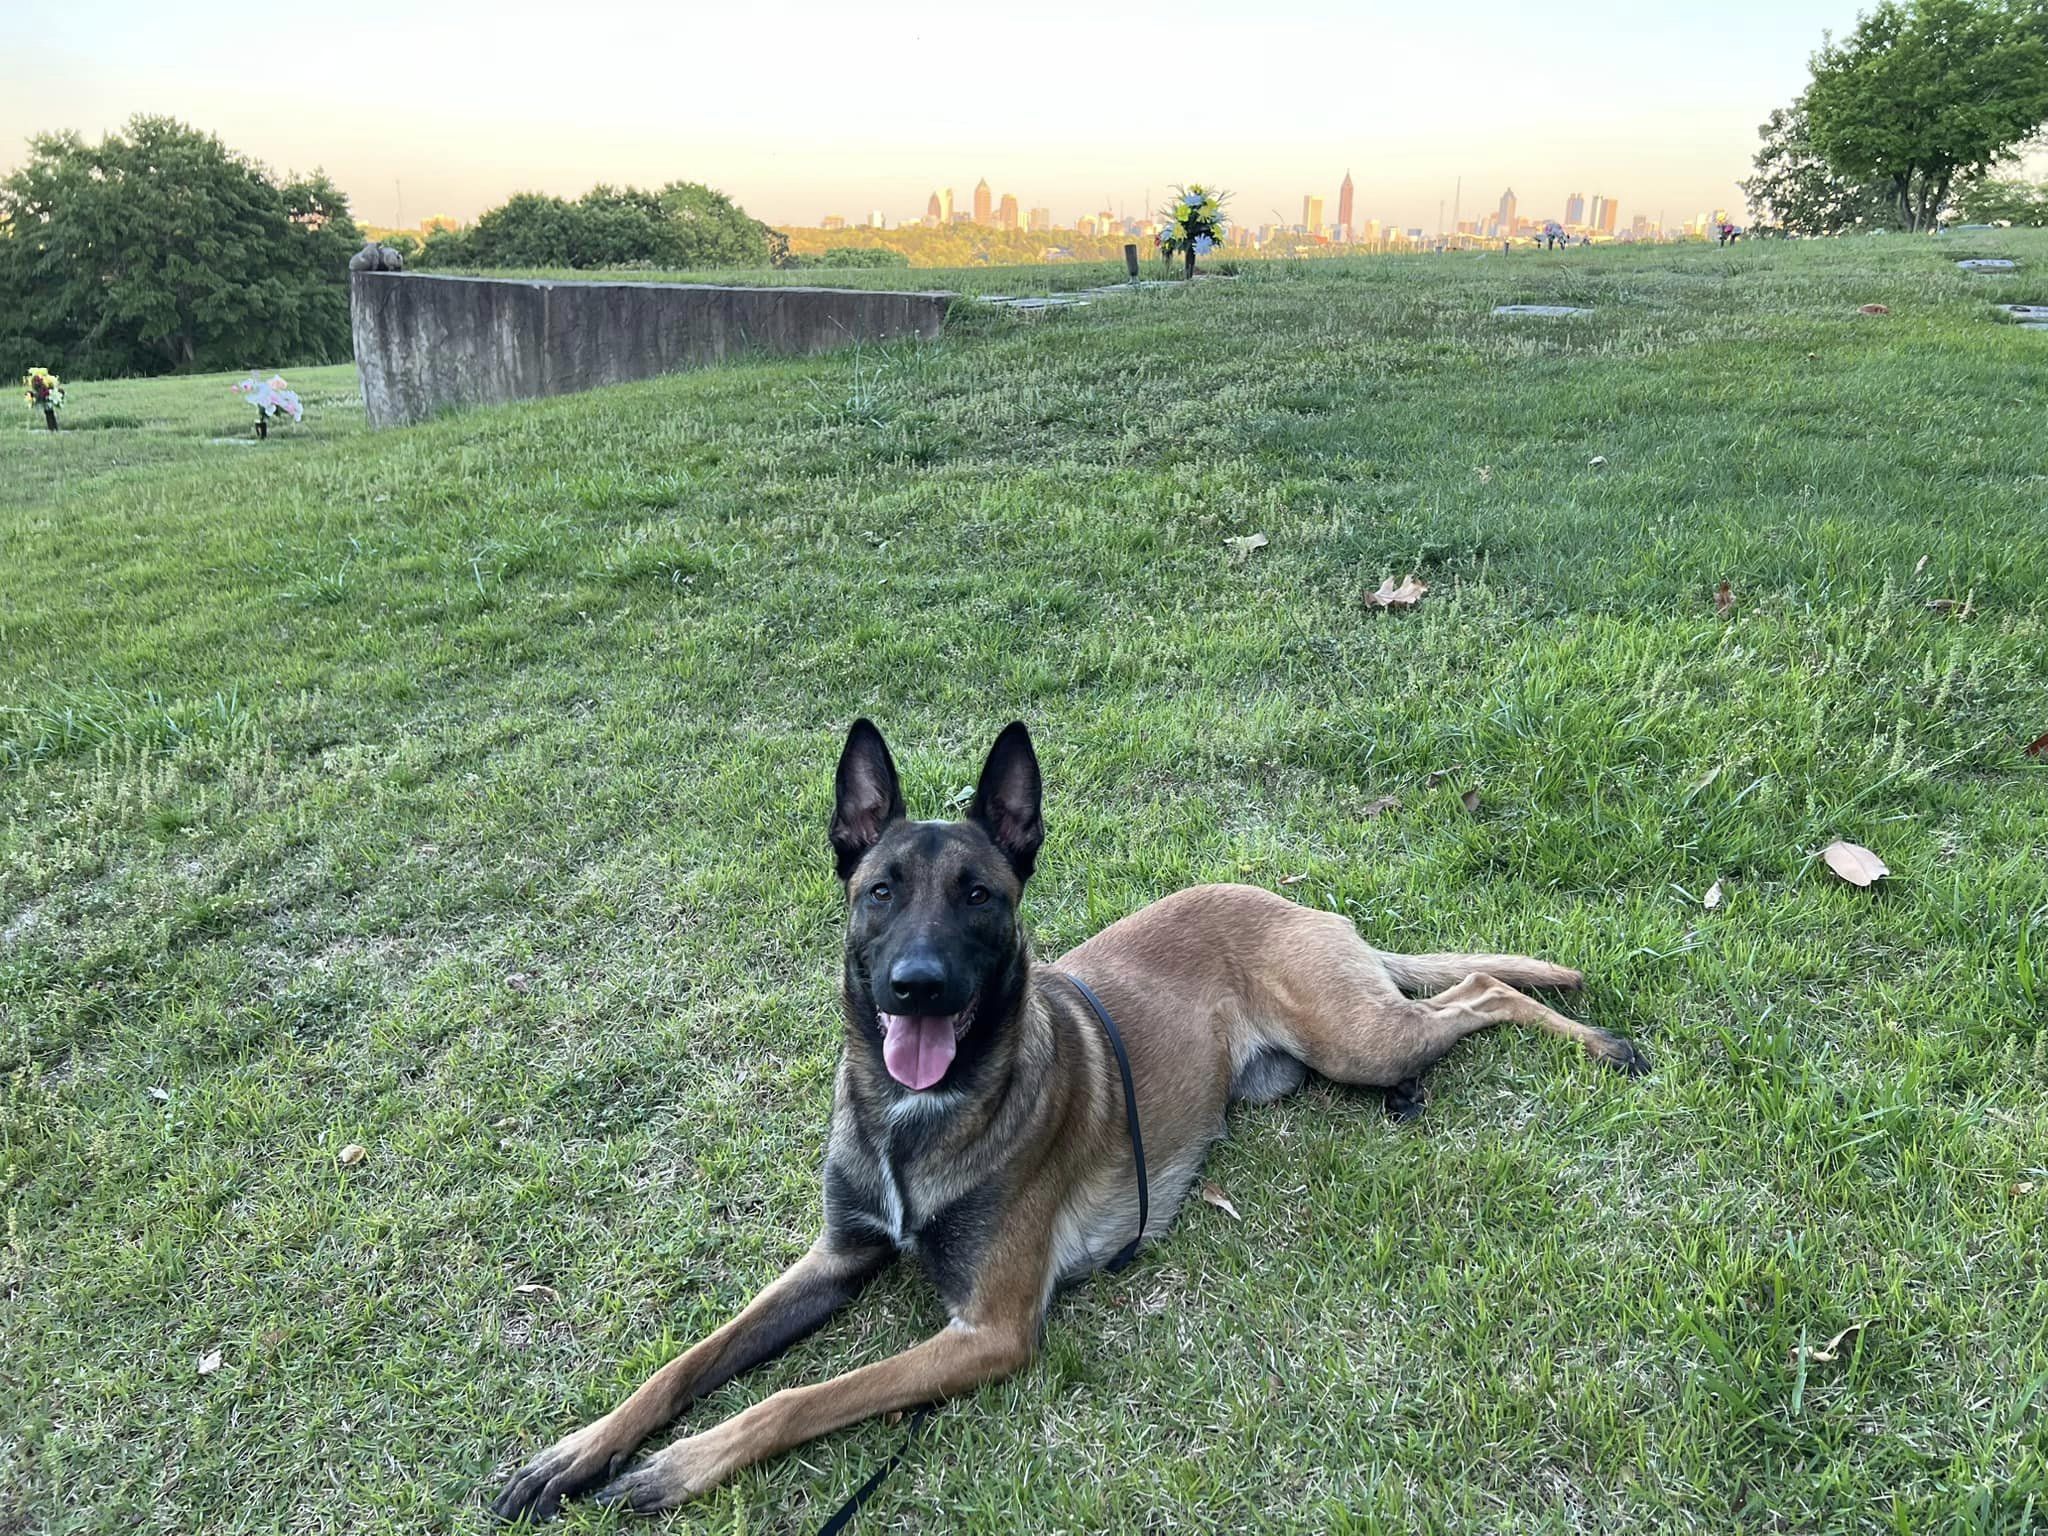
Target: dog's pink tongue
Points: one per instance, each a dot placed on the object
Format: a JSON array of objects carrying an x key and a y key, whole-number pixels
[{"x": 916, "y": 1051}]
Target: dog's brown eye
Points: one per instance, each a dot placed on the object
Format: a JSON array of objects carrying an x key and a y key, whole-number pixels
[
  {"x": 880, "y": 890},
  {"x": 976, "y": 895}
]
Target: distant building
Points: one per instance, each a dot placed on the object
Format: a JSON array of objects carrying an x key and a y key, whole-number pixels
[
  {"x": 934, "y": 213},
  {"x": 1041, "y": 218},
  {"x": 832, "y": 221},
  {"x": 1599, "y": 212},
  {"x": 1610, "y": 216},
  {"x": 1344, "y": 210},
  {"x": 946, "y": 206},
  {"x": 1311, "y": 215},
  {"x": 1006, "y": 212},
  {"x": 1639, "y": 227},
  {"x": 981, "y": 201},
  {"x": 438, "y": 222},
  {"x": 1575, "y": 210},
  {"x": 1506, "y": 226},
  {"x": 874, "y": 218},
  {"x": 1371, "y": 233}
]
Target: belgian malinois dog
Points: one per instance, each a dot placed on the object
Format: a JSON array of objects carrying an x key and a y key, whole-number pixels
[{"x": 979, "y": 1116}]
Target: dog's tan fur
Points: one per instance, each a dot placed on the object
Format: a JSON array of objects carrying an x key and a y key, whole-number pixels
[{"x": 1221, "y": 992}]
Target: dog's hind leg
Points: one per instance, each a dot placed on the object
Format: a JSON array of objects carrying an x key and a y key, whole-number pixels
[
  {"x": 1340, "y": 1009},
  {"x": 1433, "y": 973}
]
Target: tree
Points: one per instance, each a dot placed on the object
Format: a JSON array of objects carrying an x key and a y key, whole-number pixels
[
  {"x": 2004, "y": 200},
  {"x": 1925, "y": 91},
  {"x": 682, "y": 225},
  {"x": 1794, "y": 190},
  {"x": 159, "y": 248}
]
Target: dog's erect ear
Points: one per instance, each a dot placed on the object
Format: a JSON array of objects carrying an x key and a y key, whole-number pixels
[
  {"x": 866, "y": 796},
  {"x": 1007, "y": 802}
]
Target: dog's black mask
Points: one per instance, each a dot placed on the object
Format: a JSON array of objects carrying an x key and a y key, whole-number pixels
[{"x": 935, "y": 954}]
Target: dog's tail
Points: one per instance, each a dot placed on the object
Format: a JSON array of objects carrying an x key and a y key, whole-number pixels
[{"x": 1433, "y": 973}]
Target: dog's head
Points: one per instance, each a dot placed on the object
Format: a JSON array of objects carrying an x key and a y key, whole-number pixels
[{"x": 935, "y": 954}]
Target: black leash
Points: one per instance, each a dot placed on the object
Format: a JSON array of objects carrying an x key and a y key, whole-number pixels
[
  {"x": 1123, "y": 1066},
  {"x": 843, "y": 1516},
  {"x": 846, "y": 1511}
]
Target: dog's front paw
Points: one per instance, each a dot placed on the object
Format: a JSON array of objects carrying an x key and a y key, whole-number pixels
[
  {"x": 570, "y": 1466},
  {"x": 663, "y": 1481}
]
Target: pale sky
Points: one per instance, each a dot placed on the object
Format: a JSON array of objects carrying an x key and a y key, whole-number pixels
[{"x": 800, "y": 109}]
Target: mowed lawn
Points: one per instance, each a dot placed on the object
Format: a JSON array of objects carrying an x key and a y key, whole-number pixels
[{"x": 461, "y": 793}]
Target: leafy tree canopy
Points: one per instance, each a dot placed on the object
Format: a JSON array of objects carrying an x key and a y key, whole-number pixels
[
  {"x": 1925, "y": 91},
  {"x": 1796, "y": 192},
  {"x": 159, "y": 248},
  {"x": 682, "y": 225}
]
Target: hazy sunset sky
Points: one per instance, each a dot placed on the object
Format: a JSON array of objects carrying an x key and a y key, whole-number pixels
[{"x": 802, "y": 109}]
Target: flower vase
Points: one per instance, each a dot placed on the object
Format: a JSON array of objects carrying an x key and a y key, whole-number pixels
[
  {"x": 262, "y": 425},
  {"x": 50, "y": 418},
  {"x": 1191, "y": 263}
]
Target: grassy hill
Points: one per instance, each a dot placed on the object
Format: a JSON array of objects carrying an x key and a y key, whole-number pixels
[{"x": 461, "y": 793}]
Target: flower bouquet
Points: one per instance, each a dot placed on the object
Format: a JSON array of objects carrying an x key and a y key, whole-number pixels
[
  {"x": 271, "y": 398},
  {"x": 44, "y": 392},
  {"x": 1193, "y": 223}
]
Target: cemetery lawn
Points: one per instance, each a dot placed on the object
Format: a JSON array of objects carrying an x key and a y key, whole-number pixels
[{"x": 461, "y": 792}]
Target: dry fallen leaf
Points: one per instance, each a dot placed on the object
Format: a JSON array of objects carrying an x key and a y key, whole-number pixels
[
  {"x": 1963, "y": 610},
  {"x": 1385, "y": 803},
  {"x": 351, "y": 1154},
  {"x": 2025, "y": 1187},
  {"x": 1293, "y": 879},
  {"x": 1922, "y": 565},
  {"x": 209, "y": 1362},
  {"x": 1712, "y": 900},
  {"x": 1833, "y": 1347},
  {"x": 1244, "y": 544},
  {"x": 1438, "y": 775},
  {"x": 1724, "y": 599},
  {"x": 162, "y": 1096},
  {"x": 1854, "y": 863},
  {"x": 2038, "y": 747},
  {"x": 1598, "y": 461},
  {"x": 535, "y": 1292},
  {"x": 1388, "y": 595},
  {"x": 519, "y": 981},
  {"x": 1470, "y": 800},
  {"x": 1874, "y": 309},
  {"x": 1485, "y": 473},
  {"x": 1813, "y": 357},
  {"x": 1213, "y": 1193}
]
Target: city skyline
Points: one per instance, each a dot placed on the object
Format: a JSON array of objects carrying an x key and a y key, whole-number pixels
[{"x": 453, "y": 111}]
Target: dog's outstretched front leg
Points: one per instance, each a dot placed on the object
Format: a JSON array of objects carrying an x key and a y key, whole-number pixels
[
  {"x": 957, "y": 1358},
  {"x": 797, "y": 1301}
]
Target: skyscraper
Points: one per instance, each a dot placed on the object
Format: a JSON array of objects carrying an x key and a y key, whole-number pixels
[
  {"x": 1599, "y": 211},
  {"x": 1575, "y": 210},
  {"x": 934, "y": 215},
  {"x": 1041, "y": 218},
  {"x": 1312, "y": 214},
  {"x": 1344, "y": 210},
  {"x": 1507, "y": 211},
  {"x": 1006, "y": 212},
  {"x": 1609, "y": 217},
  {"x": 946, "y": 206},
  {"x": 981, "y": 201}
]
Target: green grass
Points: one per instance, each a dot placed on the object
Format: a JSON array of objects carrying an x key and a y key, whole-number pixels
[{"x": 461, "y": 791}]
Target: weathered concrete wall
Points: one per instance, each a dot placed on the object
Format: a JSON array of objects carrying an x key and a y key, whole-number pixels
[{"x": 425, "y": 342}]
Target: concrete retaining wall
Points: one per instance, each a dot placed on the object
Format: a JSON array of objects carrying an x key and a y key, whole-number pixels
[{"x": 425, "y": 342}]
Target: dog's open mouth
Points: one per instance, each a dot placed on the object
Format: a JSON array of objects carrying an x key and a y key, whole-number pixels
[{"x": 916, "y": 1049}]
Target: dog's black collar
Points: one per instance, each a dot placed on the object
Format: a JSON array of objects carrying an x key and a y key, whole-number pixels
[{"x": 1123, "y": 1066}]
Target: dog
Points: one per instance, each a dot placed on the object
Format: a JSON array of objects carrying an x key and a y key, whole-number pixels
[{"x": 979, "y": 1116}]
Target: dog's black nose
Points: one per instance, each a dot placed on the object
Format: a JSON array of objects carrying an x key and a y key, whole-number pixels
[{"x": 915, "y": 983}]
